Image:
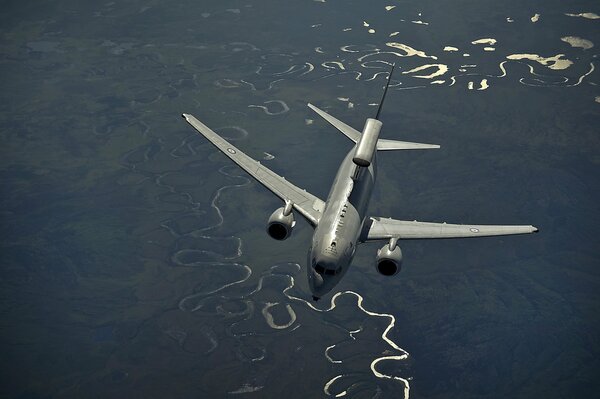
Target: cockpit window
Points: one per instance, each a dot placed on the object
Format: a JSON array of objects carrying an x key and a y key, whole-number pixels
[{"x": 319, "y": 268}]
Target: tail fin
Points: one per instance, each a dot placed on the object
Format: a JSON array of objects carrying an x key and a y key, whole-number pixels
[{"x": 385, "y": 91}]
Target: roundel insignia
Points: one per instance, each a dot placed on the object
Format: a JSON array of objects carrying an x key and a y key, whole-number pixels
[
  {"x": 474, "y": 230},
  {"x": 231, "y": 150}
]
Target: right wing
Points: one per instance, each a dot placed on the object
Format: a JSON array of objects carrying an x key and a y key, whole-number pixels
[
  {"x": 383, "y": 229},
  {"x": 304, "y": 202}
]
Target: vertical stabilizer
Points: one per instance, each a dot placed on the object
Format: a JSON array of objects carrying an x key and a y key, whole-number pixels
[{"x": 385, "y": 91}]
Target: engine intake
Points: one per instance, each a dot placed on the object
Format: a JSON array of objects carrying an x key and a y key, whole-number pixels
[
  {"x": 389, "y": 259},
  {"x": 280, "y": 224}
]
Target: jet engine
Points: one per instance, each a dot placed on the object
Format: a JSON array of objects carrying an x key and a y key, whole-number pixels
[
  {"x": 389, "y": 259},
  {"x": 280, "y": 224}
]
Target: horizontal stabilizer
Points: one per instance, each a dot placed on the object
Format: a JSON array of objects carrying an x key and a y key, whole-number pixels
[
  {"x": 349, "y": 131},
  {"x": 382, "y": 144},
  {"x": 388, "y": 145}
]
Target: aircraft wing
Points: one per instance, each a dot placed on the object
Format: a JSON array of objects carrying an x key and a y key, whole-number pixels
[
  {"x": 304, "y": 202},
  {"x": 386, "y": 228}
]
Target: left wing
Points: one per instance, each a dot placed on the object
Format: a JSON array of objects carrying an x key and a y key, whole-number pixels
[
  {"x": 383, "y": 229},
  {"x": 304, "y": 202}
]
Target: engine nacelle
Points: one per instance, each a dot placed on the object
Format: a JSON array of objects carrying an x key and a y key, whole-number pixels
[
  {"x": 389, "y": 261},
  {"x": 280, "y": 224}
]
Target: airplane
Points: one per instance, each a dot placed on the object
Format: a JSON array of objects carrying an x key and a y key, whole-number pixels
[{"x": 341, "y": 222}]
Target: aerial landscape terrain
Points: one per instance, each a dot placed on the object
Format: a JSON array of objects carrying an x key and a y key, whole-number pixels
[{"x": 135, "y": 260}]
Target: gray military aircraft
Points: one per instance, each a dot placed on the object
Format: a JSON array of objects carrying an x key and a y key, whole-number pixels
[{"x": 342, "y": 222}]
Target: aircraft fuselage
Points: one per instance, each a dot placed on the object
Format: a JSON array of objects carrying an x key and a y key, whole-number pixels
[
  {"x": 341, "y": 222},
  {"x": 338, "y": 233}
]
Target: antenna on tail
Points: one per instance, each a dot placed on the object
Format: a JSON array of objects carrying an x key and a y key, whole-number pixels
[{"x": 385, "y": 91}]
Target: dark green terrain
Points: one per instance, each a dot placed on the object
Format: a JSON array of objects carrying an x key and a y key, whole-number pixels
[{"x": 134, "y": 258}]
